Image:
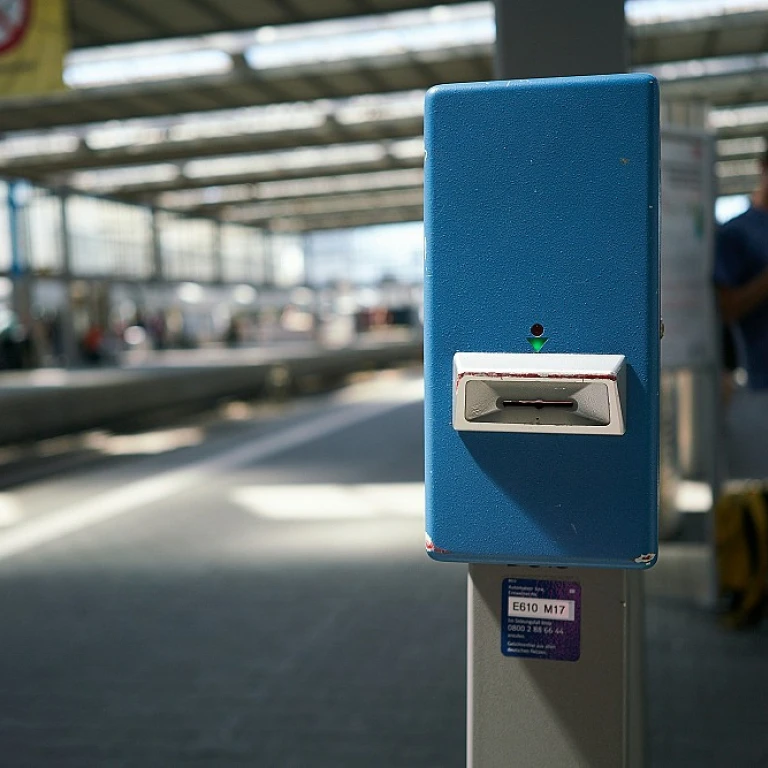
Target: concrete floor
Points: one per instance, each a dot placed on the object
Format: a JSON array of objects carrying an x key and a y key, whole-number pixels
[{"x": 251, "y": 590}]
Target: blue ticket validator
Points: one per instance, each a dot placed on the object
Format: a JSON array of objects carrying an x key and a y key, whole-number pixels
[{"x": 542, "y": 325}]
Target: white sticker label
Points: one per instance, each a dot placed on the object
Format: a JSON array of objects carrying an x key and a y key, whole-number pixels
[{"x": 542, "y": 608}]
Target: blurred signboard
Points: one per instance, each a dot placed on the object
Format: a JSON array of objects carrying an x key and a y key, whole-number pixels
[
  {"x": 33, "y": 41},
  {"x": 687, "y": 204}
]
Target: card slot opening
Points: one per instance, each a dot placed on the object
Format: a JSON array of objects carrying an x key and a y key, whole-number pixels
[{"x": 565, "y": 405}]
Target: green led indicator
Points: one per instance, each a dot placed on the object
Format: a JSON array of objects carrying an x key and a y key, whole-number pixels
[{"x": 537, "y": 342}]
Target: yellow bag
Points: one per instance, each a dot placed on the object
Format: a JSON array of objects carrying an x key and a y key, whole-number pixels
[{"x": 741, "y": 545}]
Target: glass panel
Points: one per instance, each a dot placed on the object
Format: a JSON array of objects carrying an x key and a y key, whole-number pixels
[
  {"x": 242, "y": 254},
  {"x": 186, "y": 247},
  {"x": 109, "y": 238},
  {"x": 41, "y": 232},
  {"x": 367, "y": 255}
]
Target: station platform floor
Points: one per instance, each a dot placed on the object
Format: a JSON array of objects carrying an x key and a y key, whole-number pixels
[
  {"x": 708, "y": 685},
  {"x": 151, "y": 385},
  {"x": 253, "y": 591},
  {"x": 144, "y": 363},
  {"x": 145, "y": 359}
]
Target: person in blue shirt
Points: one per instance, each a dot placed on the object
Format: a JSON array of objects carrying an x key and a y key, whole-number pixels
[
  {"x": 741, "y": 283},
  {"x": 741, "y": 280}
]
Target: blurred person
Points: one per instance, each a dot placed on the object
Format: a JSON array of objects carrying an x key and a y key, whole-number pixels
[
  {"x": 40, "y": 349},
  {"x": 233, "y": 334},
  {"x": 741, "y": 283},
  {"x": 111, "y": 345},
  {"x": 92, "y": 344},
  {"x": 14, "y": 342},
  {"x": 55, "y": 336},
  {"x": 741, "y": 280},
  {"x": 157, "y": 330}
]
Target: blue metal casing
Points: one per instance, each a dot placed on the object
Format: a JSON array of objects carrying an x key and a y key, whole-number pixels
[{"x": 542, "y": 206}]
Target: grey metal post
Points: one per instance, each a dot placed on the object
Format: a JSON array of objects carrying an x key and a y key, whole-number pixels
[
  {"x": 20, "y": 273},
  {"x": 156, "y": 249},
  {"x": 552, "y": 38},
  {"x": 269, "y": 258},
  {"x": 530, "y": 713},
  {"x": 308, "y": 246},
  {"x": 217, "y": 255},
  {"x": 68, "y": 335}
]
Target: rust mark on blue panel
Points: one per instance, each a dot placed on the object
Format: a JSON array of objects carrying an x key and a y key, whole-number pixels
[{"x": 432, "y": 548}]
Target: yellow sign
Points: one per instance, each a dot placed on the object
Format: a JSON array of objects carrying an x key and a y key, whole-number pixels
[{"x": 33, "y": 41}]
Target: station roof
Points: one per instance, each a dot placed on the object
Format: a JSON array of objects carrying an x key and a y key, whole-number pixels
[
  {"x": 254, "y": 106},
  {"x": 111, "y": 22}
]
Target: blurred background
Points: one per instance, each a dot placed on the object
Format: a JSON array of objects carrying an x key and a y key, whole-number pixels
[{"x": 211, "y": 246}]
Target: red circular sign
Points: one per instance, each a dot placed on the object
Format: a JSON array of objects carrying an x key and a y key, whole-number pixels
[{"x": 14, "y": 20}]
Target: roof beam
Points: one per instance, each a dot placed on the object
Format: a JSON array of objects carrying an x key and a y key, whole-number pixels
[
  {"x": 323, "y": 206},
  {"x": 150, "y": 20},
  {"x": 749, "y": 148},
  {"x": 738, "y": 185},
  {"x": 240, "y": 87},
  {"x": 674, "y": 39},
  {"x": 252, "y": 15},
  {"x": 346, "y": 220},
  {"x": 212, "y": 199},
  {"x": 160, "y": 145},
  {"x": 221, "y": 19},
  {"x": 333, "y": 161},
  {"x": 744, "y": 85},
  {"x": 701, "y": 25}
]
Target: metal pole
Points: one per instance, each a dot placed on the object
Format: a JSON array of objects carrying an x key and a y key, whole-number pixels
[
  {"x": 269, "y": 259},
  {"x": 585, "y": 709},
  {"x": 156, "y": 248},
  {"x": 310, "y": 260},
  {"x": 555, "y": 38},
  {"x": 68, "y": 335},
  {"x": 217, "y": 256},
  {"x": 560, "y": 714},
  {"x": 20, "y": 298}
]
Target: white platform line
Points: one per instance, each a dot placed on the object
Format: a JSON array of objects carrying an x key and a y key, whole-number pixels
[
  {"x": 317, "y": 502},
  {"x": 137, "y": 494}
]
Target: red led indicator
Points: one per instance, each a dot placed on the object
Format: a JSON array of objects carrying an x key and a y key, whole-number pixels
[{"x": 537, "y": 329}]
